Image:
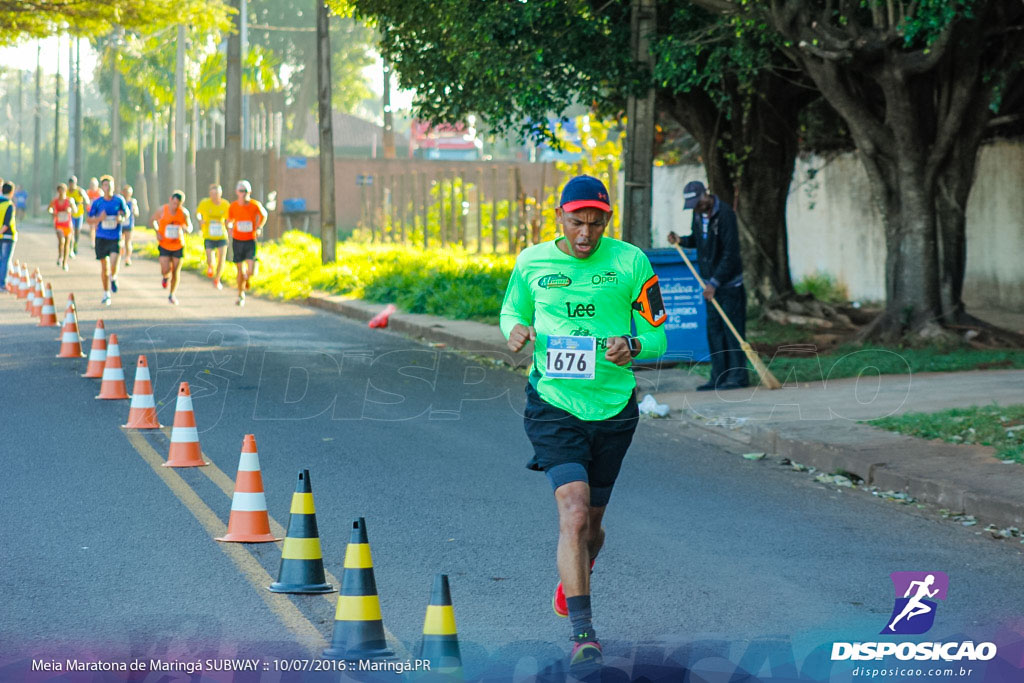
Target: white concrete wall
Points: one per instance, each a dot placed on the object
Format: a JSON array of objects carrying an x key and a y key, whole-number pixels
[
  {"x": 667, "y": 215},
  {"x": 995, "y": 229},
  {"x": 835, "y": 229}
]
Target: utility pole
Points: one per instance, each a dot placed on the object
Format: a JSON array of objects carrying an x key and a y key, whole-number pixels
[
  {"x": 243, "y": 32},
  {"x": 21, "y": 123},
  {"x": 178, "y": 165},
  {"x": 638, "y": 193},
  {"x": 37, "y": 115},
  {"x": 78, "y": 105},
  {"x": 56, "y": 119},
  {"x": 115, "y": 110},
  {"x": 141, "y": 187},
  {"x": 233, "y": 101},
  {"x": 328, "y": 229},
  {"x": 193, "y": 165},
  {"x": 156, "y": 197},
  {"x": 389, "y": 121},
  {"x": 72, "y": 169}
]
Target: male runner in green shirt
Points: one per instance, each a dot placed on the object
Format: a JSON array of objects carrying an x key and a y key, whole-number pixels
[{"x": 576, "y": 297}]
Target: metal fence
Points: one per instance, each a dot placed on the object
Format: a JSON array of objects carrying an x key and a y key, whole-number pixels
[{"x": 486, "y": 209}]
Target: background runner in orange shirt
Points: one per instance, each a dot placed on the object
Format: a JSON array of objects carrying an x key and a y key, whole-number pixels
[
  {"x": 171, "y": 221},
  {"x": 61, "y": 208},
  {"x": 94, "y": 193},
  {"x": 246, "y": 216}
]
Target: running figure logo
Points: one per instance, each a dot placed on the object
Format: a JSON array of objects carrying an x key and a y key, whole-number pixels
[{"x": 914, "y": 612}]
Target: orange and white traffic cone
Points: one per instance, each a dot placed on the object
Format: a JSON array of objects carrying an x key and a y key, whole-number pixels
[
  {"x": 98, "y": 352},
  {"x": 37, "y": 300},
  {"x": 381, "y": 319},
  {"x": 113, "y": 386},
  {"x": 48, "y": 314},
  {"x": 30, "y": 299},
  {"x": 185, "y": 451},
  {"x": 13, "y": 277},
  {"x": 70, "y": 342},
  {"x": 23, "y": 283},
  {"x": 249, "y": 521},
  {"x": 142, "y": 413}
]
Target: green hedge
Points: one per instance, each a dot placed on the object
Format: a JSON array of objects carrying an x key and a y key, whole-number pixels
[{"x": 448, "y": 282}]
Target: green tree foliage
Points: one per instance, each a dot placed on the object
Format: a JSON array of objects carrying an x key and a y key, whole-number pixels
[
  {"x": 511, "y": 63},
  {"x": 286, "y": 27},
  {"x": 917, "y": 84},
  {"x": 146, "y": 61},
  {"x": 515, "y": 64},
  {"x": 40, "y": 18}
]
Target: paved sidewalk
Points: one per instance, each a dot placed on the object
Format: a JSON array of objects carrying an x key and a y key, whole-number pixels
[
  {"x": 818, "y": 425},
  {"x": 813, "y": 424}
]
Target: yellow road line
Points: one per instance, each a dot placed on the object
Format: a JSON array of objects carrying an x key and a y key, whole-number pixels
[
  {"x": 290, "y": 615},
  {"x": 225, "y": 484}
]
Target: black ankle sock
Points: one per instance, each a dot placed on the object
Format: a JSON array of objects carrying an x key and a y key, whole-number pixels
[{"x": 579, "y": 614}]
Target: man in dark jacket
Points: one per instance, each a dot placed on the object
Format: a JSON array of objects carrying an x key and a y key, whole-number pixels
[{"x": 715, "y": 236}]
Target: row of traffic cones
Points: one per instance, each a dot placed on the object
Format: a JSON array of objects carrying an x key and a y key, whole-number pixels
[
  {"x": 38, "y": 295},
  {"x": 358, "y": 623},
  {"x": 358, "y": 627}
]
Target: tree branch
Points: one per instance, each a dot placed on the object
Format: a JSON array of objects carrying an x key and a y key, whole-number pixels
[
  {"x": 926, "y": 59},
  {"x": 719, "y": 6},
  {"x": 871, "y": 134}
]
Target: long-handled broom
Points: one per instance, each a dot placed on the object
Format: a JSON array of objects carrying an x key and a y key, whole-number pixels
[{"x": 767, "y": 378}]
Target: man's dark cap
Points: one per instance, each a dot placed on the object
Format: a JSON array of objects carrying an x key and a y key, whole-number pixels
[{"x": 693, "y": 192}]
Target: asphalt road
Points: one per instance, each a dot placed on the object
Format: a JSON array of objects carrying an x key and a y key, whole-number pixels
[{"x": 711, "y": 560}]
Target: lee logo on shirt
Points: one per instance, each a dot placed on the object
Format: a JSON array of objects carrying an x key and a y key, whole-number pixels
[
  {"x": 579, "y": 310},
  {"x": 553, "y": 280}
]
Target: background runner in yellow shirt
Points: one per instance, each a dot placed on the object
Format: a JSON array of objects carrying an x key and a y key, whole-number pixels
[
  {"x": 81, "y": 206},
  {"x": 212, "y": 212}
]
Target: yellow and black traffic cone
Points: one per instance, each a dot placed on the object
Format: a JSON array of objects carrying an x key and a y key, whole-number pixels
[
  {"x": 302, "y": 560},
  {"x": 358, "y": 626},
  {"x": 440, "y": 644}
]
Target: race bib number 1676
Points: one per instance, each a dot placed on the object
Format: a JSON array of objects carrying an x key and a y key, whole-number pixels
[{"x": 571, "y": 357}]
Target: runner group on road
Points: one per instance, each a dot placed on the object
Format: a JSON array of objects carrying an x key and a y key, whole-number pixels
[{"x": 110, "y": 218}]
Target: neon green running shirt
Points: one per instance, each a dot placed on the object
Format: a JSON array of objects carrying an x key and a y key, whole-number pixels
[{"x": 561, "y": 295}]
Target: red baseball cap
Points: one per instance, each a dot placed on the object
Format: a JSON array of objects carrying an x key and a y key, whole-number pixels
[{"x": 584, "y": 191}]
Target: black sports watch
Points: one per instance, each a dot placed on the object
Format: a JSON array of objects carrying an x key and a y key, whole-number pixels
[{"x": 634, "y": 345}]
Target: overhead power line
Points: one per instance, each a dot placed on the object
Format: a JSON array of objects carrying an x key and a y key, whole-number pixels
[{"x": 294, "y": 29}]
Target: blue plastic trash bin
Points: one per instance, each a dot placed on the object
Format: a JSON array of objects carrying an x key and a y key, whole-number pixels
[{"x": 687, "y": 313}]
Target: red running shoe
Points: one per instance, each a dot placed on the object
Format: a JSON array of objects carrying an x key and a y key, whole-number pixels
[
  {"x": 558, "y": 602},
  {"x": 586, "y": 655}
]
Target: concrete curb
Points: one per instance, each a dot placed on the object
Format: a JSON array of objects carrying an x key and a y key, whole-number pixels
[
  {"x": 462, "y": 335},
  {"x": 963, "y": 479}
]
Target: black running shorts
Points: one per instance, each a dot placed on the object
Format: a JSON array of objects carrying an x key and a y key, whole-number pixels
[{"x": 570, "y": 449}]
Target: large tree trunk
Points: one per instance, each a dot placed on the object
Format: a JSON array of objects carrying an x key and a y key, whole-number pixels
[
  {"x": 917, "y": 114},
  {"x": 769, "y": 133}
]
